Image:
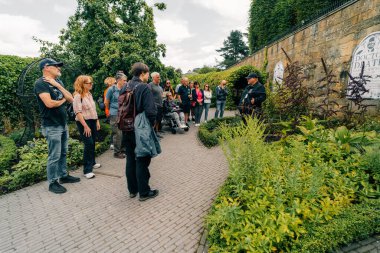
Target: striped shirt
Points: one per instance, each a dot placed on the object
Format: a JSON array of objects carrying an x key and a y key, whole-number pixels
[{"x": 86, "y": 106}]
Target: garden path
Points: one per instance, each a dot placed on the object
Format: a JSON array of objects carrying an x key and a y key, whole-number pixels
[{"x": 98, "y": 216}]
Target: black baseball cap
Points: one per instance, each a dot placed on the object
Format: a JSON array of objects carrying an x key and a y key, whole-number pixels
[
  {"x": 252, "y": 75},
  {"x": 49, "y": 62}
]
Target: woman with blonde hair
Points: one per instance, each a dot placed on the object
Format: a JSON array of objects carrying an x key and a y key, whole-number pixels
[{"x": 87, "y": 122}]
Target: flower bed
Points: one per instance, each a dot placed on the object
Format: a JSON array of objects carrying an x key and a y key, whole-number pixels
[
  {"x": 31, "y": 167},
  {"x": 291, "y": 195}
]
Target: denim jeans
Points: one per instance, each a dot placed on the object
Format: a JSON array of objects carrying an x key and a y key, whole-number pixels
[
  {"x": 220, "y": 105},
  {"x": 57, "y": 140},
  {"x": 206, "y": 108},
  {"x": 198, "y": 110},
  {"x": 117, "y": 136},
  {"x": 89, "y": 145},
  {"x": 179, "y": 117}
]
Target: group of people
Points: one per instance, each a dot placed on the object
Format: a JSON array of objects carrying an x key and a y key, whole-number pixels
[
  {"x": 151, "y": 99},
  {"x": 52, "y": 98}
]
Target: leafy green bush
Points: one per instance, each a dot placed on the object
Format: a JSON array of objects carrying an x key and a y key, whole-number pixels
[
  {"x": 356, "y": 222},
  {"x": 7, "y": 153},
  {"x": 10, "y": 69},
  {"x": 279, "y": 193},
  {"x": 32, "y": 165},
  {"x": 209, "y": 132}
]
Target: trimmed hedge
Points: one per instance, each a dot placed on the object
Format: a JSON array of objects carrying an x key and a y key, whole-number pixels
[
  {"x": 356, "y": 222},
  {"x": 209, "y": 133},
  {"x": 235, "y": 81},
  {"x": 7, "y": 153},
  {"x": 10, "y": 69}
]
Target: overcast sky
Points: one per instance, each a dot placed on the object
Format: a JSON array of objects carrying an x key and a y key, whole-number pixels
[{"x": 191, "y": 29}]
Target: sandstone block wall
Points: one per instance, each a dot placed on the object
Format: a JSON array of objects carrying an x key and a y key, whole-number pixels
[{"x": 332, "y": 37}]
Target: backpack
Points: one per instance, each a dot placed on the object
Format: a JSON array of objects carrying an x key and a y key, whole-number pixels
[
  {"x": 70, "y": 111},
  {"x": 126, "y": 113}
]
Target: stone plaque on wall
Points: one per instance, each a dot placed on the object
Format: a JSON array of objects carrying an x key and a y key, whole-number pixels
[
  {"x": 368, "y": 51},
  {"x": 278, "y": 74}
]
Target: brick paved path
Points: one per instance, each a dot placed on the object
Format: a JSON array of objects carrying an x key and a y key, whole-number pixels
[{"x": 98, "y": 216}]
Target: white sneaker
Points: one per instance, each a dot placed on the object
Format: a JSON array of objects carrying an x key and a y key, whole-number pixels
[
  {"x": 96, "y": 166},
  {"x": 183, "y": 126},
  {"x": 205, "y": 121},
  {"x": 89, "y": 175},
  {"x": 197, "y": 125},
  {"x": 111, "y": 147}
]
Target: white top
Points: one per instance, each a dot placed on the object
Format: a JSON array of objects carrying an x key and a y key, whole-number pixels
[{"x": 208, "y": 96}]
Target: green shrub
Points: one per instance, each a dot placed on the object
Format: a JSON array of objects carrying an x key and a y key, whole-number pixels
[
  {"x": 279, "y": 193},
  {"x": 7, "y": 153},
  {"x": 10, "y": 69},
  {"x": 31, "y": 168},
  {"x": 356, "y": 222},
  {"x": 209, "y": 132},
  {"x": 16, "y": 135}
]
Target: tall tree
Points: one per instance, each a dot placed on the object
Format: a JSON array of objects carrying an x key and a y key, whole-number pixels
[
  {"x": 104, "y": 36},
  {"x": 234, "y": 49}
]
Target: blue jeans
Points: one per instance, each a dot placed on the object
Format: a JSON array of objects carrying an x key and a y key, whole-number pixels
[
  {"x": 198, "y": 113},
  {"x": 57, "y": 139},
  {"x": 220, "y": 105},
  {"x": 206, "y": 107}
]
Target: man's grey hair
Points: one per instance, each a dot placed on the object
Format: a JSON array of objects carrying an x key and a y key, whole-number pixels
[
  {"x": 120, "y": 75},
  {"x": 154, "y": 74}
]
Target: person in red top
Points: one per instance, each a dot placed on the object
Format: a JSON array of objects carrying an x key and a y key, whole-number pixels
[{"x": 198, "y": 100}]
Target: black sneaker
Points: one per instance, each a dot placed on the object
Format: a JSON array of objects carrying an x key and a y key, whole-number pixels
[
  {"x": 151, "y": 194},
  {"x": 132, "y": 195},
  {"x": 57, "y": 188},
  {"x": 69, "y": 179}
]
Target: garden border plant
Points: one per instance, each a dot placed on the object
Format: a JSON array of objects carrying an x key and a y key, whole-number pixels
[
  {"x": 7, "y": 154},
  {"x": 31, "y": 167},
  {"x": 280, "y": 194}
]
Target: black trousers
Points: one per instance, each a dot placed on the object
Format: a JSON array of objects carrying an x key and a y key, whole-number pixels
[
  {"x": 89, "y": 145},
  {"x": 137, "y": 168}
]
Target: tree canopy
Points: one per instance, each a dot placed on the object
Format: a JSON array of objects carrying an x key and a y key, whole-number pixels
[
  {"x": 103, "y": 37},
  {"x": 269, "y": 18},
  {"x": 234, "y": 49}
]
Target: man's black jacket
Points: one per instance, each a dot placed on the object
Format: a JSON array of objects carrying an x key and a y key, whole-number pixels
[
  {"x": 256, "y": 91},
  {"x": 143, "y": 97}
]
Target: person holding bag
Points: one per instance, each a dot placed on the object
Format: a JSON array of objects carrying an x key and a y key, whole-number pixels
[{"x": 87, "y": 122}]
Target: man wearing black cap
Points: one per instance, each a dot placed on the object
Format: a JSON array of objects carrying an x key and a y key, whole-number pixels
[
  {"x": 253, "y": 97},
  {"x": 51, "y": 97}
]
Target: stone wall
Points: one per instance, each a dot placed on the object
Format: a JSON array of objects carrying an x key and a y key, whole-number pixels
[{"x": 332, "y": 37}]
